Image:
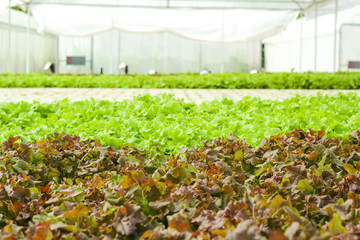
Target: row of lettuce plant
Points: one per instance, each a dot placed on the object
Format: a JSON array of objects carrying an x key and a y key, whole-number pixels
[
  {"x": 340, "y": 80},
  {"x": 172, "y": 124}
]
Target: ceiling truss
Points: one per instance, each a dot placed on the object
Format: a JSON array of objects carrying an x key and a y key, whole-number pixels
[{"x": 300, "y": 5}]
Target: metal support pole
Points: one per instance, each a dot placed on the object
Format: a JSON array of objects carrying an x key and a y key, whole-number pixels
[
  {"x": 112, "y": 53},
  {"x": 9, "y": 40},
  {"x": 166, "y": 39},
  {"x": 200, "y": 56},
  {"x": 315, "y": 38},
  {"x": 57, "y": 68},
  {"x": 223, "y": 42},
  {"x": 335, "y": 34},
  {"x": 92, "y": 54},
  {"x": 119, "y": 49},
  {"x": 301, "y": 42},
  {"x": 111, "y": 70},
  {"x": 340, "y": 47},
  {"x": 27, "y": 65}
]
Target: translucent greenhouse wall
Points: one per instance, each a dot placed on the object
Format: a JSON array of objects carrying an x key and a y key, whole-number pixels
[
  {"x": 349, "y": 46},
  {"x": 282, "y": 52},
  {"x": 164, "y": 52},
  {"x": 42, "y": 47},
  {"x": 285, "y": 56}
]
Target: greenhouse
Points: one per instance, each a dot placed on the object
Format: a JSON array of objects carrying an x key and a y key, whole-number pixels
[
  {"x": 179, "y": 119},
  {"x": 229, "y": 36}
]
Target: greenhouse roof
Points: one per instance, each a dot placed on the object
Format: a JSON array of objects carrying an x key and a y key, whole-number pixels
[{"x": 217, "y": 21}]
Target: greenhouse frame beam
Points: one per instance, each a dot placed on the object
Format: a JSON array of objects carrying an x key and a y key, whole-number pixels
[
  {"x": 176, "y": 7},
  {"x": 168, "y": 5}
]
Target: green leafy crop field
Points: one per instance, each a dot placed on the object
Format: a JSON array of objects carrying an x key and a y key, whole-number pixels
[
  {"x": 170, "y": 124},
  {"x": 341, "y": 80}
]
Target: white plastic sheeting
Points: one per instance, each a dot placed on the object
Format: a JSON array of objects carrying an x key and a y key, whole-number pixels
[
  {"x": 13, "y": 48},
  {"x": 325, "y": 26},
  {"x": 160, "y": 33},
  {"x": 165, "y": 52},
  {"x": 167, "y": 40},
  {"x": 198, "y": 24},
  {"x": 283, "y": 50}
]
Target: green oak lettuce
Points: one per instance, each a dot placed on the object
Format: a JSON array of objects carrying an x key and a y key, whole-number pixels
[{"x": 172, "y": 124}]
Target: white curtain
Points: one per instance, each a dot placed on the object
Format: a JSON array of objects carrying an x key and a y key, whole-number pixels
[{"x": 198, "y": 24}]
